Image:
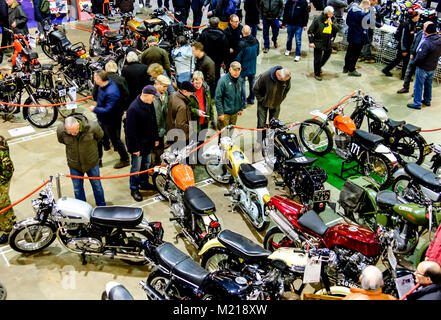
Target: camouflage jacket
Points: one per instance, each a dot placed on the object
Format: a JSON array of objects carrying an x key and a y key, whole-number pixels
[{"x": 6, "y": 166}]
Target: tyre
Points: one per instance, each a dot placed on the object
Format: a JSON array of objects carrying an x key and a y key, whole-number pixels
[
  {"x": 410, "y": 149},
  {"x": 35, "y": 79},
  {"x": 161, "y": 183},
  {"x": 48, "y": 51},
  {"x": 32, "y": 237},
  {"x": 41, "y": 117},
  {"x": 437, "y": 170},
  {"x": 378, "y": 168},
  {"x": 92, "y": 44},
  {"x": 268, "y": 154},
  {"x": 316, "y": 139},
  {"x": 104, "y": 296},
  {"x": 275, "y": 238},
  {"x": 62, "y": 109},
  {"x": 220, "y": 258},
  {"x": 159, "y": 280},
  {"x": 217, "y": 171},
  {"x": 400, "y": 186}
]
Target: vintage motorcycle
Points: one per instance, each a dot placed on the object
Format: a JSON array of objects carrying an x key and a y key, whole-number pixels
[
  {"x": 113, "y": 231},
  {"x": 191, "y": 208},
  {"x": 282, "y": 153},
  {"x": 404, "y": 140},
  {"x": 227, "y": 163},
  {"x": 366, "y": 149},
  {"x": 12, "y": 89}
]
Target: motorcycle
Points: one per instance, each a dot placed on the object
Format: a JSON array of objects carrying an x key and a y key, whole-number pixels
[
  {"x": 404, "y": 140},
  {"x": 12, "y": 88},
  {"x": 436, "y": 160},
  {"x": 113, "y": 231},
  {"x": 351, "y": 144},
  {"x": 282, "y": 153},
  {"x": 191, "y": 208},
  {"x": 226, "y": 163}
]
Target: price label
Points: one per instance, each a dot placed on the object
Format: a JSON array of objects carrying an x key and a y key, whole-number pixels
[
  {"x": 32, "y": 42},
  {"x": 312, "y": 270},
  {"x": 404, "y": 284},
  {"x": 62, "y": 93}
]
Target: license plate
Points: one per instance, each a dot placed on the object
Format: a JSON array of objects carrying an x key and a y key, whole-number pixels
[{"x": 321, "y": 195}]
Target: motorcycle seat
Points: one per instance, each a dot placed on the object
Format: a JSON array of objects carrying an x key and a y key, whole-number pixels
[
  {"x": 394, "y": 123},
  {"x": 242, "y": 247},
  {"x": 251, "y": 177},
  {"x": 367, "y": 139},
  {"x": 116, "y": 216},
  {"x": 119, "y": 292},
  {"x": 410, "y": 128},
  {"x": 180, "y": 264},
  {"x": 423, "y": 176},
  {"x": 113, "y": 36},
  {"x": 198, "y": 202},
  {"x": 386, "y": 199},
  {"x": 311, "y": 221},
  {"x": 302, "y": 160}
]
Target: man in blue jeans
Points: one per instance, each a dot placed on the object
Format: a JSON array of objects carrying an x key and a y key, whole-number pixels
[
  {"x": 295, "y": 19},
  {"x": 81, "y": 137},
  {"x": 426, "y": 61},
  {"x": 271, "y": 11},
  {"x": 141, "y": 137}
]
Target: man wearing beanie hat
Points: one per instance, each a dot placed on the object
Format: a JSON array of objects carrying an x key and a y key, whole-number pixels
[
  {"x": 141, "y": 138},
  {"x": 178, "y": 112},
  {"x": 154, "y": 54}
]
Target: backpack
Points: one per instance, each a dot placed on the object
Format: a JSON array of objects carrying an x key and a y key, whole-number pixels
[
  {"x": 44, "y": 7},
  {"x": 231, "y": 7}
]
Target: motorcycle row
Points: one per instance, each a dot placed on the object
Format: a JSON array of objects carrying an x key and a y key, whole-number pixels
[
  {"x": 298, "y": 248},
  {"x": 395, "y": 11},
  {"x": 47, "y": 84}
]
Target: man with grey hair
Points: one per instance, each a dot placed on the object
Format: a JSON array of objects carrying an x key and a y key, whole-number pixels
[
  {"x": 371, "y": 280},
  {"x": 135, "y": 74},
  {"x": 428, "y": 276},
  {"x": 81, "y": 137}
]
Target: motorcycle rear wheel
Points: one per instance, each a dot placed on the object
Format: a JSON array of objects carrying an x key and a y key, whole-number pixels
[
  {"x": 321, "y": 144},
  {"x": 217, "y": 171},
  {"x": 410, "y": 149},
  {"x": 220, "y": 259},
  {"x": 27, "y": 240},
  {"x": 400, "y": 186},
  {"x": 47, "y": 51},
  {"x": 380, "y": 169},
  {"x": 158, "y": 281}
]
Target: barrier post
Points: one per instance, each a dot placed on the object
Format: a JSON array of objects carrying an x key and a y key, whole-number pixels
[{"x": 57, "y": 182}]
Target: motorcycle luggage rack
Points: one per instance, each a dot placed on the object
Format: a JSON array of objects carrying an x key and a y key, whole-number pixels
[{"x": 355, "y": 168}]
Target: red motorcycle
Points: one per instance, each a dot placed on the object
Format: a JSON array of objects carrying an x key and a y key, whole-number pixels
[{"x": 352, "y": 247}]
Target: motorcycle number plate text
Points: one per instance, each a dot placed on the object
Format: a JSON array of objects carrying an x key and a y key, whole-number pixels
[
  {"x": 319, "y": 114},
  {"x": 355, "y": 149},
  {"x": 312, "y": 270}
]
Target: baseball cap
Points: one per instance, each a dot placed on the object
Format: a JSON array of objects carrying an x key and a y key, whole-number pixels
[{"x": 150, "y": 90}]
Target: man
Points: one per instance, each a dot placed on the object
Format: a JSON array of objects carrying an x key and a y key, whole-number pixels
[
  {"x": 230, "y": 97},
  {"x": 215, "y": 44},
  {"x": 135, "y": 74},
  {"x": 271, "y": 89},
  {"x": 428, "y": 275},
  {"x": 321, "y": 33},
  {"x": 404, "y": 35},
  {"x": 371, "y": 282},
  {"x": 182, "y": 10},
  {"x": 233, "y": 34},
  {"x": 160, "y": 104},
  {"x": 252, "y": 15},
  {"x": 178, "y": 113},
  {"x": 141, "y": 137},
  {"x": 247, "y": 57},
  {"x": 410, "y": 70},
  {"x": 201, "y": 105},
  {"x": 295, "y": 19},
  {"x": 357, "y": 35},
  {"x": 426, "y": 61},
  {"x": 7, "y": 218},
  {"x": 81, "y": 138},
  {"x": 366, "y": 52},
  {"x": 204, "y": 64},
  {"x": 40, "y": 16},
  {"x": 271, "y": 11},
  {"x": 17, "y": 17},
  {"x": 109, "y": 114},
  {"x": 154, "y": 54}
]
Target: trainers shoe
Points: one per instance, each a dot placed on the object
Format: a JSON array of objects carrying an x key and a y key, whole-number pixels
[
  {"x": 4, "y": 238},
  {"x": 318, "y": 78},
  {"x": 297, "y": 59},
  {"x": 265, "y": 50},
  {"x": 121, "y": 164},
  {"x": 287, "y": 53},
  {"x": 414, "y": 106},
  {"x": 136, "y": 195},
  {"x": 386, "y": 73},
  {"x": 403, "y": 90},
  {"x": 354, "y": 73}
]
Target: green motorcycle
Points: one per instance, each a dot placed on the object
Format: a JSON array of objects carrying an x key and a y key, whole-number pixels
[{"x": 363, "y": 203}]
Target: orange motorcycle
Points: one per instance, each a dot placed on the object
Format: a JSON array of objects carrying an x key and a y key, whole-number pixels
[{"x": 191, "y": 208}]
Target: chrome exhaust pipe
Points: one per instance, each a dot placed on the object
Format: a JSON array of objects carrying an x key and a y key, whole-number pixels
[
  {"x": 151, "y": 293},
  {"x": 283, "y": 224}
]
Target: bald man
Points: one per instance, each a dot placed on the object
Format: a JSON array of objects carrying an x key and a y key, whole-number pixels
[{"x": 428, "y": 275}]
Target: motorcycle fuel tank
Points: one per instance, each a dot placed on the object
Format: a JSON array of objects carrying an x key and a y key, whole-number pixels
[
  {"x": 183, "y": 176},
  {"x": 288, "y": 145},
  {"x": 353, "y": 237},
  {"x": 345, "y": 124},
  {"x": 377, "y": 114},
  {"x": 412, "y": 212},
  {"x": 76, "y": 210}
]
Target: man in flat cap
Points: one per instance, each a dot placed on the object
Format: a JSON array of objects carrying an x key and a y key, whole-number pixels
[{"x": 141, "y": 138}]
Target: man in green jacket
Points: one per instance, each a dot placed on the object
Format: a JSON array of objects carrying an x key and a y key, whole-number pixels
[
  {"x": 154, "y": 54},
  {"x": 230, "y": 97},
  {"x": 81, "y": 137},
  {"x": 7, "y": 218}
]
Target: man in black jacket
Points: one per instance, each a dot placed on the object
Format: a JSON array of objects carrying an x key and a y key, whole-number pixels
[
  {"x": 204, "y": 64},
  {"x": 295, "y": 19},
  {"x": 428, "y": 275},
  {"x": 135, "y": 74},
  {"x": 233, "y": 34},
  {"x": 141, "y": 137},
  {"x": 252, "y": 13}
]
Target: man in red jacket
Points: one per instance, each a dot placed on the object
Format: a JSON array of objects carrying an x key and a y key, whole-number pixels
[{"x": 433, "y": 253}]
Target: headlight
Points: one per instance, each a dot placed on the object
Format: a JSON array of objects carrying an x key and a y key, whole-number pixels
[{"x": 35, "y": 204}]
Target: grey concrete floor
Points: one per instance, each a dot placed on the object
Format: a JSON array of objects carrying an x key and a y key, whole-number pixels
[{"x": 57, "y": 274}]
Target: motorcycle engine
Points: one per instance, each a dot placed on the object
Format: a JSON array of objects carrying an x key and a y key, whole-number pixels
[
  {"x": 307, "y": 180},
  {"x": 86, "y": 239},
  {"x": 234, "y": 192},
  {"x": 178, "y": 209},
  {"x": 342, "y": 141},
  {"x": 351, "y": 263}
]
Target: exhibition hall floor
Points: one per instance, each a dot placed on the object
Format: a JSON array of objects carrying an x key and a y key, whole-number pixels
[{"x": 56, "y": 273}]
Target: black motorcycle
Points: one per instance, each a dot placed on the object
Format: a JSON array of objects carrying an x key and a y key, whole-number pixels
[
  {"x": 283, "y": 153},
  {"x": 12, "y": 89},
  {"x": 404, "y": 140}
]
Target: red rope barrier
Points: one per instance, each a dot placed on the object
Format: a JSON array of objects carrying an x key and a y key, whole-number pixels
[
  {"x": 190, "y": 27},
  {"x": 46, "y": 105},
  {"x": 6, "y": 47},
  {"x": 410, "y": 291},
  {"x": 24, "y": 198}
]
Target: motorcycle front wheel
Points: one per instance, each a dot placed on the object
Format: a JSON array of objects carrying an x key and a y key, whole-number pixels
[
  {"x": 316, "y": 139},
  {"x": 48, "y": 51},
  {"x": 217, "y": 171},
  {"x": 2, "y": 292},
  {"x": 41, "y": 117},
  {"x": 410, "y": 149},
  {"x": 378, "y": 168},
  {"x": 219, "y": 259},
  {"x": 62, "y": 109},
  {"x": 158, "y": 280},
  {"x": 160, "y": 181},
  {"x": 32, "y": 237}
]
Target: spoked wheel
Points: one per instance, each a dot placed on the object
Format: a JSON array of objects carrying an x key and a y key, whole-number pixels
[
  {"x": 275, "y": 239},
  {"x": 48, "y": 51},
  {"x": 379, "y": 168},
  {"x": 410, "y": 149},
  {"x": 31, "y": 238},
  {"x": 315, "y": 138},
  {"x": 219, "y": 259},
  {"x": 401, "y": 186},
  {"x": 62, "y": 109},
  {"x": 161, "y": 183},
  {"x": 217, "y": 171},
  {"x": 41, "y": 117},
  {"x": 159, "y": 281}
]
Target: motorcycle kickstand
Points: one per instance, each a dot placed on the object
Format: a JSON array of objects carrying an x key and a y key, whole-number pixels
[{"x": 83, "y": 257}]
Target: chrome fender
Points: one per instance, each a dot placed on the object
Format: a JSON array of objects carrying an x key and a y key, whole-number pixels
[
  {"x": 381, "y": 148},
  {"x": 210, "y": 244},
  {"x": 400, "y": 172},
  {"x": 291, "y": 256},
  {"x": 212, "y": 152},
  {"x": 25, "y": 223}
]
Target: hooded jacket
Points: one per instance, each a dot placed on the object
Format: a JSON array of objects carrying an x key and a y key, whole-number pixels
[
  {"x": 430, "y": 292},
  {"x": 316, "y": 35},
  {"x": 247, "y": 56},
  {"x": 108, "y": 108},
  {"x": 184, "y": 59},
  {"x": 82, "y": 149},
  {"x": 269, "y": 91},
  {"x": 271, "y": 9},
  {"x": 428, "y": 54},
  {"x": 296, "y": 13},
  {"x": 215, "y": 44},
  {"x": 17, "y": 14},
  {"x": 356, "y": 33},
  {"x": 229, "y": 98}
]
